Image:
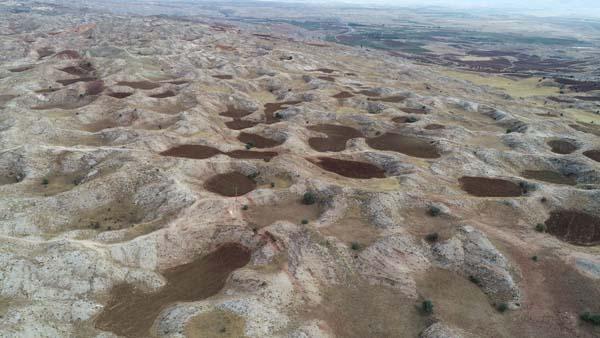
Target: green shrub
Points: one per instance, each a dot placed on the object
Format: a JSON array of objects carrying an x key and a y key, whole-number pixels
[
  {"x": 427, "y": 307},
  {"x": 502, "y": 307},
  {"x": 245, "y": 207},
  {"x": 474, "y": 280},
  {"x": 534, "y": 258},
  {"x": 434, "y": 211},
  {"x": 45, "y": 181},
  {"x": 249, "y": 145},
  {"x": 411, "y": 119},
  {"x": 355, "y": 246},
  {"x": 540, "y": 227},
  {"x": 432, "y": 237},
  {"x": 592, "y": 318},
  {"x": 272, "y": 184},
  {"x": 304, "y": 221},
  {"x": 309, "y": 198}
]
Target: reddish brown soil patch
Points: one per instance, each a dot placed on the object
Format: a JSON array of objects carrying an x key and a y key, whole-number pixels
[
  {"x": 327, "y": 78},
  {"x": 336, "y": 139},
  {"x": 593, "y": 154},
  {"x": 325, "y": 70},
  {"x": 223, "y": 77},
  {"x": 226, "y": 48},
  {"x": 94, "y": 87},
  {"x": 352, "y": 169},
  {"x": 68, "y": 54},
  {"x": 271, "y": 108},
  {"x": 562, "y": 146},
  {"x": 44, "y": 52},
  {"x": 131, "y": 312},
  {"x": 414, "y": 110},
  {"x": 404, "y": 119},
  {"x": 549, "y": 176},
  {"x": 489, "y": 187},
  {"x": 47, "y": 90},
  {"x": 434, "y": 126},
  {"x": 79, "y": 70},
  {"x": 392, "y": 99},
  {"x": 589, "y": 128},
  {"x": 235, "y": 112},
  {"x": 343, "y": 95},
  {"x": 67, "y": 82},
  {"x": 195, "y": 151},
  {"x": 231, "y": 184},
  {"x": 178, "y": 82},
  {"x": 20, "y": 69},
  {"x": 238, "y": 124},
  {"x": 367, "y": 92},
  {"x": 260, "y": 216},
  {"x": 119, "y": 95},
  {"x": 168, "y": 93},
  {"x": 574, "y": 227},
  {"x": 252, "y": 155},
  {"x": 145, "y": 85},
  {"x": 548, "y": 114},
  {"x": 408, "y": 145},
  {"x": 258, "y": 141}
]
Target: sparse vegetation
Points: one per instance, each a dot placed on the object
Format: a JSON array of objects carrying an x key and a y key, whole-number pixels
[
  {"x": 502, "y": 307},
  {"x": 309, "y": 198},
  {"x": 432, "y": 237},
  {"x": 427, "y": 307},
  {"x": 249, "y": 145},
  {"x": 304, "y": 221},
  {"x": 540, "y": 227},
  {"x": 434, "y": 211},
  {"x": 245, "y": 207},
  {"x": 45, "y": 181},
  {"x": 592, "y": 318},
  {"x": 355, "y": 246},
  {"x": 475, "y": 280}
]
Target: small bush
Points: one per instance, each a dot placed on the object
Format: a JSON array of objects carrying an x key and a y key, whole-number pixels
[
  {"x": 508, "y": 131},
  {"x": 534, "y": 258},
  {"x": 245, "y": 207},
  {"x": 427, "y": 307},
  {"x": 475, "y": 280},
  {"x": 432, "y": 237},
  {"x": 543, "y": 200},
  {"x": 45, "y": 181},
  {"x": 434, "y": 211},
  {"x": 540, "y": 227},
  {"x": 304, "y": 221},
  {"x": 592, "y": 318},
  {"x": 309, "y": 198},
  {"x": 502, "y": 307},
  {"x": 249, "y": 145},
  {"x": 411, "y": 119},
  {"x": 272, "y": 184},
  {"x": 355, "y": 246}
]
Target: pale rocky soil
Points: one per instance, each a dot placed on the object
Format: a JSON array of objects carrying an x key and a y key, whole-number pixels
[{"x": 114, "y": 211}]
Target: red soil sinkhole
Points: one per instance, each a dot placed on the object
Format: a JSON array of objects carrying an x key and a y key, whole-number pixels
[
  {"x": 550, "y": 176},
  {"x": 223, "y": 77},
  {"x": 408, "y": 145},
  {"x": 145, "y": 85},
  {"x": 271, "y": 108},
  {"x": 20, "y": 69},
  {"x": 489, "y": 187},
  {"x": 343, "y": 95},
  {"x": 390, "y": 99},
  {"x": 67, "y": 82},
  {"x": 239, "y": 124},
  {"x": 351, "y": 169},
  {"x": 119, "y": 95},
  {"x": 593, "y": 154},
  {"x": 575, "y": 227},
  {"x": 258, "y": 141},
  {"x": 230, "y": 184},
  {"x": 405, "y": 119},
  {"x": 168, "y": 93},
  {"x": 201, "y": 152},
  {"x": 336, "y": 139},
  {"x": 434, "y": 126},
  {"x": 131, "y": 312},
  {"x": 235, "y": 112},
  {"x": 562, "y": 147},
  {"x": 414, "y": 110}
]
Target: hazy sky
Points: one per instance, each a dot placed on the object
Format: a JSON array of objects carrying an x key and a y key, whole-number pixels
[{"x": 539, "y": 7}]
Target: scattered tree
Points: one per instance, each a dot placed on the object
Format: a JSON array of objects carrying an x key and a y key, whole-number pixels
[
  {"x": 427, "y": 307},
  {"x": 540, "y": 227},
  {"x": 309, "y": 198}
]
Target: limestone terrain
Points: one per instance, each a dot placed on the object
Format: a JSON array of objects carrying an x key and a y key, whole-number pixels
[{"x": 174, "y": 178}]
